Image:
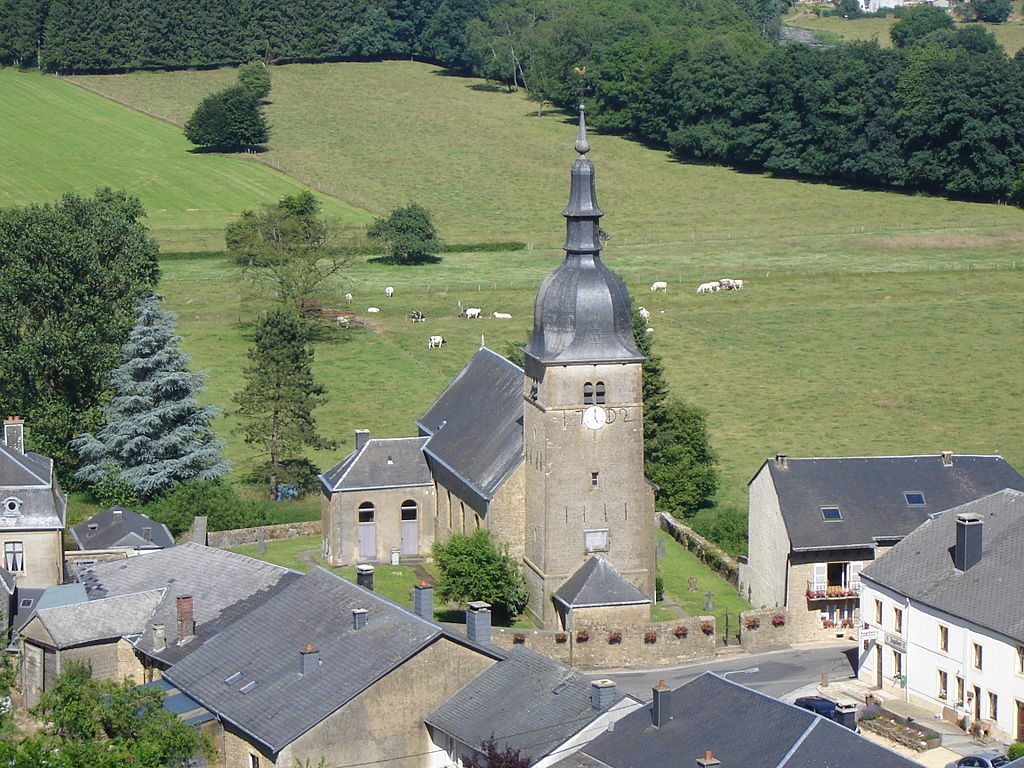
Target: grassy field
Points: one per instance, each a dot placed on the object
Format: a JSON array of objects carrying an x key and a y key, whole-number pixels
[
  {"x": 1010, "y": 34},
  {"x": 59, "y": 138}
]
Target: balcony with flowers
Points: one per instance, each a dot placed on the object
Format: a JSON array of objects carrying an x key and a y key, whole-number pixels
[{"x": 820, "y": 590}]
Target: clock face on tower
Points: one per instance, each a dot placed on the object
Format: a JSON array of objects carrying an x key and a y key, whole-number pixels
[{"x": 594, "y": 417}]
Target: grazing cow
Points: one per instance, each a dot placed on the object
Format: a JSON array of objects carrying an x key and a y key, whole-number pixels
[
  {"x": 709, "y": 287},
  {"x": 342, "y": 321},
  {"x": 472, "y": 313},
  {"x": 642, "y": 311},
  {"x": 726, "y": 283},
  {"x": 737, "y": 285},
  {"x": 372, "y": 310},
  {"x": 435, "y": 342},
  {"x": 348, "y": 298},
  {"x": 416, "y": 316},
  {"x": 501, "y": 315},
  {"x": 659, "y": 285},
  {"x": 389, "y": 292}
]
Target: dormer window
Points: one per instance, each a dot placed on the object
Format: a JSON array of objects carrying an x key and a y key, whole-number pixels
[
  {"x": 599, "y": 392},
  {"x": 588, "y": 393},
  {"x": 914, "y": 498},
  {"x": 12, "y": 507},
  {"x": 831, "y": 514}
]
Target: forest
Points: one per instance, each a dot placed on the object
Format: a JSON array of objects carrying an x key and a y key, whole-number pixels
[{"x": 940, "y": 112}]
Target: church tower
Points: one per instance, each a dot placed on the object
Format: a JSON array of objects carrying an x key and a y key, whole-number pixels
[{"x": 586, "y": 495}]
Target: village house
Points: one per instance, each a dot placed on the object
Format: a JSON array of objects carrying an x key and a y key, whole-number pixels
[
  {"x": 944, "y": 620},
  {"x": 814, "y": 524}
]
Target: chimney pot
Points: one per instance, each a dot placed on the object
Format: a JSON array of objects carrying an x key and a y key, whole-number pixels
[
  {"x": 309, "y": 659},
  {"x": 159, "y": 637},
  {"x": 362, "y": 438},
  {"x": 147, "y": 533},
  {"x": 364, "y": 576},
  {"x": 14, "y": 434},
  {"x": 967, "y": 548},
  {"x": 708, "y": 759},
  {"x": 782, "y": 460},
  {"x": 359, "y": 618},
  {"x": 186, "y": 621},
  {"x": 602, "y": 693},
  {"x": 661, "y": 705},
  {"x": 423, "y": 600},
  {"x": 478, "y": 622},
  {"x": 947, "y": 458}
]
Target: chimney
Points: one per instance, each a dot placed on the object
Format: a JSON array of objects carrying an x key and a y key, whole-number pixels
[
  {"x": 159, "y": 637},
  {"x": 14, "y": 434},
  {"x": 782, "y": 461},
  {"x": 947, "y": 458},
  {"x": 602, "y": 693},
  {"x": 708, "y": 760},
  {"x": 478, "y": 622},
  {"x": 846, "y": 715},
  {"x": 186, "y": 624},
  {"x": 309, "y": 659},
  {"x": 423, "y": 600},
  {"x": 364, "y": 576},
  {"x": 661, "y": 706},
  {"x": 362, "y": 438},
  {"x": 967, "y": 551},
  {"x": 359, "y": 618},
  {"x": 199, "y": 530}
]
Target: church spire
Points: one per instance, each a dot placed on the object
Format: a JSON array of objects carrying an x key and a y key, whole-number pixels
[{"x": 582, "y": 214}]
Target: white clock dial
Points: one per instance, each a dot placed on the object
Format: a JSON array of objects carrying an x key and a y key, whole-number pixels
[{"x": 594, "y": 417}]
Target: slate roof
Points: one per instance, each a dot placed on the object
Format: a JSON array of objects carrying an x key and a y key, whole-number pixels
[
  {"x": 741, "y": 727},
  {"x": 476, "y": 426},
  {"x": 28, "y": 601},
  {"x": 869, "y": 492},
  {"x": 989, "y": 592},
  {"x": 389, "y": 463},
  {"x": 595, "y": 583},
  {"x": 119, "y": 527},
  {"x": 29, "y": 477},
  {"x": 182, "y": 706},
  {"x": 223, "y": 586},
  {"x": 281, "y": 703},
  {"x": 95, "y": 620},
  {"x": 526, "y": 701}
]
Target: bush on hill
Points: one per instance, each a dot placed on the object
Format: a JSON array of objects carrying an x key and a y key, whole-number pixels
[{"x": 230, "y": 119}]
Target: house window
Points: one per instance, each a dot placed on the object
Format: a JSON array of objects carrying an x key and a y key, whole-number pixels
[
  {"x": 594, "y": 478},
  {"x": 897, "y": 664},
  {"x": 831, "y": 514},
  {"x": 943, "y": 685},
  {"x": 596, "y": 541},
  {"x": 14, "y": 556},
  {"x": 993, "y": 706},
  {"x": 943, "y": 637},
  {"x": 914, "y": 498},
  {"x": 588, "y": 394},
  {"x": 410, "y": 510},
  {"x": 878, "y": 612},
  {"x": 977, "y": 656},
  {"x": 366, "y": 512},
  {"x": 897, "y": 620},
  {"x": 254, "y": 761},
  {"x": 599, "y": 392},
  {"x": 1020, "y": 660},
  {"x": 12, "y": 507}
]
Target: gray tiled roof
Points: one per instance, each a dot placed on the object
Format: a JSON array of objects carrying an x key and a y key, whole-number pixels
[
  {"x": 29, "y": 477},
  {"x": 869, "y": 492},
  {"x": 23, "y": 469},
  {"x": 316, "y": 609},
  {"x": 389, "y": 463},
  {"x": 476, "y": 425},
  {"x": 222, "y": 585},
  {"x": 527, "y": 702},
  {"x": 741, "y": 727},
  {"x": 120, "y": 527},
  {"x": 988, "y": 593},
  {"x": 596, "y": 582},
  {"x": 95, "y": 620}
]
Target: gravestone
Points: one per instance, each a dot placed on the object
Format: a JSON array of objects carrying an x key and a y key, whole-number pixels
[
  {"x": 709, "y": 601},
  {"x": 261, "y": 542},
  {"x": 692, "y": 581}
]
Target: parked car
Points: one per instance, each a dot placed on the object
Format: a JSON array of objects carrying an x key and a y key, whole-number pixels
[
  {"x": 980, "y": 761},
  {"x": 819, "y": 705}
]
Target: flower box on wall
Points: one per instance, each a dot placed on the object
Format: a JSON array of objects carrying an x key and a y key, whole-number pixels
[
  {"x": 650, "y": 638},
  {"x": 753, "y": 623},
  {"x": 614, "y": 638},
  {"x": 518, "y": 639},
  {"x": 778, "y": 621},
  {"x": 582, "y": 636},
  {"x": 707, "y": 628},
  {"x": 681, "y": 631},
  {"x": 561, "y": 637}
]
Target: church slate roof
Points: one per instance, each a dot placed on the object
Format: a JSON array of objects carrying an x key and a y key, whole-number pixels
[
  {"x": 596, "y": 583},
  {"x": 317, "y": 609},
  {"x": 29, "y": 477},
  {"x": 381, "y": 463},
  {"x": 526, "y": 702},
  {"x": 475, "y": 427},
  {"x": 119, "y": 527},
  {"x": 989, "y": 592},
  {"x": 870, "y": 494},
  {"x": 740, "y": 726},
  {"x": 96, "y": 620}
]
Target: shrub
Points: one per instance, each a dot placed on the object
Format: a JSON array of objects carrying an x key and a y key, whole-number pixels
[
  {"x": 659, "y": 588},
  {"x": 1016, "y": 750},
  {"x": 217, "y": 501},
  {"x": 475, "y": 567}
]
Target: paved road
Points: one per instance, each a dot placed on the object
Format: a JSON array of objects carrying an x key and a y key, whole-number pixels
[{"x": 779, "y": 672}]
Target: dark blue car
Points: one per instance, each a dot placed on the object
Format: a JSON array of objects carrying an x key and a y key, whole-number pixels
[{"x": 828, "y": 708}]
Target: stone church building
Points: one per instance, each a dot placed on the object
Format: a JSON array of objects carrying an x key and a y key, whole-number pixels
[{"x": 548, "y": 458}]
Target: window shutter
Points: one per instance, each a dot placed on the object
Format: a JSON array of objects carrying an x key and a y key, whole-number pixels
[
  {"x": 855, "y": 568},
  {"x": 820, "y": 575}
]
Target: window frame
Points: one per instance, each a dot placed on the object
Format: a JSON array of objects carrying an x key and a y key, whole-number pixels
[
  {"x": 366, "y": 507},
  {"x": 993, "y": 706},
  {"x": 12, "y": 507},
  {"x": 978, "y": 657},
  {"x": 897, "y": 620},
  {"x": 943, "y": 676},
  {"x": 595, "y": 479},
  {"x": 943, "y": 638},
  {"x": 588, "y": 393},
  {"x": 829, "y": 508},
  {"x": 14, "y": 549},
  {"x": 878, "y": 612},
  {"x": 600, "y": 395},
  {"x": 922, "y": 503}
]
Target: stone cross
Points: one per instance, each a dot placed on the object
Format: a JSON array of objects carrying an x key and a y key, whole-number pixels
[{"x": 709, "y": 601}]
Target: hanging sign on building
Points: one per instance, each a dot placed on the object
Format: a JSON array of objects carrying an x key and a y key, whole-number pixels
[{"x": 896, "y": 643}]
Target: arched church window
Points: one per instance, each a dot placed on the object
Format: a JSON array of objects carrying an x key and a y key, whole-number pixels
[
  {"x": 366, "y": 512},
  {"x": 410, "y": 510},
  {"x": 588, "y": 393},
  {"x": 599, "y": 392}
]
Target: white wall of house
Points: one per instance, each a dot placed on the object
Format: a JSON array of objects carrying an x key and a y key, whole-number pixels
[
  {"x": 763, "y": 577},
  {"x": 1001, "y": 672}
]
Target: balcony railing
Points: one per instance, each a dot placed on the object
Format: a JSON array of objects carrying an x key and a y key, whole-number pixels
[{"x": 820, "y": 590}]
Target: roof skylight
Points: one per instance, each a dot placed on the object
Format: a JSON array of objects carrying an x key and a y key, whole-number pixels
[
  {"x": 234, "y": 678},
  {"x": 831, "y": 513},
  {"x": 914, "y": 498}
]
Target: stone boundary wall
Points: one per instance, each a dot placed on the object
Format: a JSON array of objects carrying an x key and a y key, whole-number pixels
[
  {"x": 240, "y": 536},
  {"x": 639, "y": 645},
  {"x": 709, "y": 554},
  {"x": 766, "y": 632}
]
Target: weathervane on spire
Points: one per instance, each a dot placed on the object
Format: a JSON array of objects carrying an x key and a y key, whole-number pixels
[{"x": 582, "y": 145}]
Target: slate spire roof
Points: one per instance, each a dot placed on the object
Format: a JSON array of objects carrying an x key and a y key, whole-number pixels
[
  {"x": 582, "y": 314},
  {"x": 597, "y": 583}
]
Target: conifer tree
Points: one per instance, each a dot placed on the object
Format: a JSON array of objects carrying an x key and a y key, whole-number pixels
[
  {"x": 157, "y": 435},
  {"x": 280, "y": 394}
]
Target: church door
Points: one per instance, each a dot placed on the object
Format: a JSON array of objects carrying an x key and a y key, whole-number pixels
[
  {"x": 410, "y": 528},
  {"x": 367, "y": 532}
]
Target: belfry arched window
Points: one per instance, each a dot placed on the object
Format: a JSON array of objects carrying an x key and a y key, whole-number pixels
[
  {"x": 599, "y": 392},
  {"x": 588, "y": 393}
]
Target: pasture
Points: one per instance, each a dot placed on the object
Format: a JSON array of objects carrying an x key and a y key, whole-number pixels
[{"x": 58, "y": 138}]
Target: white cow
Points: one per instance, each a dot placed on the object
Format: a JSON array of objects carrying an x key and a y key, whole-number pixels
[
  {"x": 372, "y": 310},
  {"x": 435, "y": 342},
  {"x": 389, "y": 292},
  {"x": 416, "y": 316},
  {"x": 709, "y": 287},
  {"x": 726, "y": 283},
  {"x": 501, "y": 315},
  {"x": 348, "y": 298},
  {"x": 648, "y": 330},
  {"x": 473, "y": 313},
  {"x": 659, "y": 285},
  {"x": 737, "y": 285},
  {"x": 642, "y": 311}
]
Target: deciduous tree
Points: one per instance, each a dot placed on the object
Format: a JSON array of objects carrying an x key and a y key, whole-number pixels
[
  {"x": 229, "y": 119},
  {"x": 475, "y": 567},
  {"x": 255, "y": 77},
  {"x": 408, "y": 234}
]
